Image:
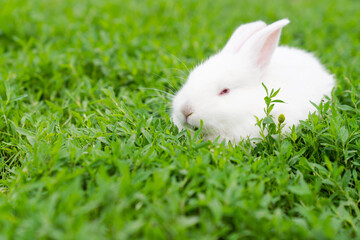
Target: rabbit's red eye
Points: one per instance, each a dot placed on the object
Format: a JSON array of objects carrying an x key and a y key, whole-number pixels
[{"x": 224, "y": 91}]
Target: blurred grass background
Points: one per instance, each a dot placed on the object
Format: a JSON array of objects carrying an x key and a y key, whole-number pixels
[{"x": 88, "y": 151}]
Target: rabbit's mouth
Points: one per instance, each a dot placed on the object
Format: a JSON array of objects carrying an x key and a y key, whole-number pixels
[
  {"x": 195, "y": 128},
  {"x": 206, "y": 132},
  {"x": 191, "y": 127}
]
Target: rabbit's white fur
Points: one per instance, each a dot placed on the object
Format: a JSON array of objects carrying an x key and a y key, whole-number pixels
[{"x": 250, "y": 57}]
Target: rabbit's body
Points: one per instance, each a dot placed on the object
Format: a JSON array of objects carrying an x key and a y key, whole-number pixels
[
  {"x": 226, "y": 90},
  {"x": 309, "y": 84}
]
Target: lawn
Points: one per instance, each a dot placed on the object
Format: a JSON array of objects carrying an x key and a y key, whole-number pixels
[{"x": 88, "y": 151}]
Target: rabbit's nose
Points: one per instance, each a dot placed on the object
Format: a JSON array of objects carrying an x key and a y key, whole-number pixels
[{"x": 186, "y": 110}]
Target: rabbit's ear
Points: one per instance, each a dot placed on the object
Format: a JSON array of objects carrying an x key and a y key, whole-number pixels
[
  {"x": 241, "y": 34},
  {"x": 260, "y": 47}
]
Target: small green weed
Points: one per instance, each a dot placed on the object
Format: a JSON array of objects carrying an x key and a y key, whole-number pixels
[{"x": 268, "y": 127}]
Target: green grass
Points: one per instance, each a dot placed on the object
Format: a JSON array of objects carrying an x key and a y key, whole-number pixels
[{"x": 88, "y": 150}]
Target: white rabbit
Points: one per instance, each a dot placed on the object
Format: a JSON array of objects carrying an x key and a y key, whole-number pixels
[{"x": 226, "y": 91}]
